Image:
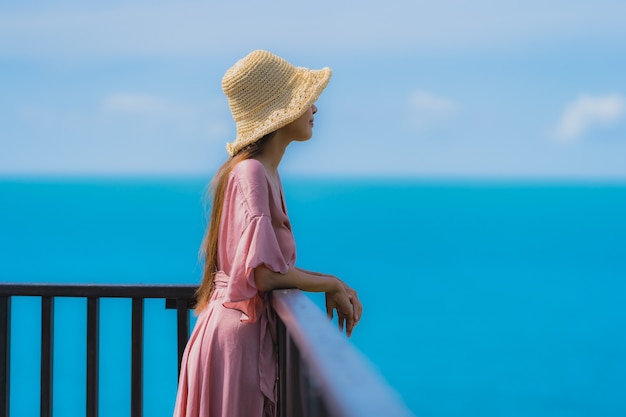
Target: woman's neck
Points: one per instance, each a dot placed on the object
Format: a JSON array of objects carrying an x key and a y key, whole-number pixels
[{"x": 273, "y": 152}]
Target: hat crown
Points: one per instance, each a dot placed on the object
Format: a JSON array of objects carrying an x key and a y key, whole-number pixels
[{"x": 256, "y": 81}]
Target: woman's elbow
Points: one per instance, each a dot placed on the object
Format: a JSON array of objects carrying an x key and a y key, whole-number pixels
[
  {"x": 266, "y": 280},
  {"x": 263, "y": 279}
]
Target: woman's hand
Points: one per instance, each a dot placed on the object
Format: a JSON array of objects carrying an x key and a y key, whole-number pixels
[
  {"x": 348, "y": 307},
  {"x": 339, "y": 296}
]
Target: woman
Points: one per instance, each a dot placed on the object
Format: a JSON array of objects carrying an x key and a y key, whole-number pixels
[{"x": 229, "y": 365}]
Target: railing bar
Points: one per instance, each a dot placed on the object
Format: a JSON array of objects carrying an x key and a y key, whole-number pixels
[
  {"x": 93, "y": 330},
  {"x": 47, "y": 353},
  {"x": 98, "y": 290},
  {"x": 5, "y": 356},
  {"x": 182, "y": 313},
  {"x": 136, "y": 405},
  {"x": 281, "y": 336}
]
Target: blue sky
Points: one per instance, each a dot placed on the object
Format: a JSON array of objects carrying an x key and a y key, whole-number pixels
[{"x": 495, "y": 89}]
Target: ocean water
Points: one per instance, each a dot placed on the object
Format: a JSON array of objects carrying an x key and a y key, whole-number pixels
[{"x": 480, "y": 298}]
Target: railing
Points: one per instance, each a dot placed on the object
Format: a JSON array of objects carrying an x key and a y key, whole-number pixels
[
  {"x": 320, "y": 373},
  {"x": 176, "y": 296}
]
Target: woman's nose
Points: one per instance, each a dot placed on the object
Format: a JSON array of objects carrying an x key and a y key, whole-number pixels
[{"x": 314, "y": 108}]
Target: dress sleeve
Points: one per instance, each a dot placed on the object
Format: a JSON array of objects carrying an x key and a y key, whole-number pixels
[{"x": 257, "y": 245}]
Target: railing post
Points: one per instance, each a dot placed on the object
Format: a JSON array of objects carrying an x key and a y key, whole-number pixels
[
  {"x": 136, "y": 389},
  {"x": 93, "y": 324},
  {"x": 293, "y": 380},
  {"x": 47, "y": 354},
  {"x": 182, "y": 315},
  {"x": 313, "y": 404},
  {"x": 281, "y": 336},
  {"x": 299, "y": 394},
  {"x": 5, "y": 355},
  {"x": 289, "y": 380}
]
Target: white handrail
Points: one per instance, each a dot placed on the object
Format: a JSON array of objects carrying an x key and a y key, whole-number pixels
[{"x": 348, "y": 383}]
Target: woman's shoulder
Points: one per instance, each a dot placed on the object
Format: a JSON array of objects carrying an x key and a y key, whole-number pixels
[
  {"x": 250, "y": 170},
  {"x": 249, "y": 178}
]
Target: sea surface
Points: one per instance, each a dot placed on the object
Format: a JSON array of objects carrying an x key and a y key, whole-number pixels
[{"x": 481, "y": 298}]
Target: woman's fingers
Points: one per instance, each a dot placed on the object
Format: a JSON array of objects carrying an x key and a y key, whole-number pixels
[
  {"x": 357, "y": 307},
  {"x": 348, "y": 322},
  {"x": 344, "y": 303},
  {"x": 346, "y": 316}
]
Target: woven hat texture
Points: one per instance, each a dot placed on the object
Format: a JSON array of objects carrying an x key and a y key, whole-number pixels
[{"x": 265, "y": 93}]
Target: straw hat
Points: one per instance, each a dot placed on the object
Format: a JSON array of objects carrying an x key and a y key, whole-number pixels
[{"x": 265, "y": 93}]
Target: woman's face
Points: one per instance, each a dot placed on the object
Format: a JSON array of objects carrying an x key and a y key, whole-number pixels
[{"x": 301, "y": 129}]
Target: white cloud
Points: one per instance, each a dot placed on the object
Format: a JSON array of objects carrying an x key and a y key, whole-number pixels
[
  {"x": 587, "y": 112},
  {"x": 427, "y": 110}
]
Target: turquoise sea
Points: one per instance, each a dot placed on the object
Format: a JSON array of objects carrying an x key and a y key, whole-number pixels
[{"x": 481, "y": 298}]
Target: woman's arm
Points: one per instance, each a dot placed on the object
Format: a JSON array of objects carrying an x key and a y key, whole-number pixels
[
  {"x": 337, "y": 296},
  {"x": 319, "y": 274},
  {"x": 357, "y": 307},
  {"x": 267, "y": 280}
]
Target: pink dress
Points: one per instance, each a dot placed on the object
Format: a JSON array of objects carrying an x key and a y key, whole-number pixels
[{"x": 229, "y": 365}]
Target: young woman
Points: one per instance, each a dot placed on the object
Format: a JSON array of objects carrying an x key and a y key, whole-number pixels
[{"x": 229, "y": 365}]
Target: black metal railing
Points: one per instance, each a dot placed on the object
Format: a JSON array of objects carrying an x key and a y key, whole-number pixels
[
  {"x": 179, "y": 297},
  {"x": 320, "y": 373}
]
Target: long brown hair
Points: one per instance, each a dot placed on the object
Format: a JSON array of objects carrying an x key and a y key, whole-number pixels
[{"x": 210, "y": 242}]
